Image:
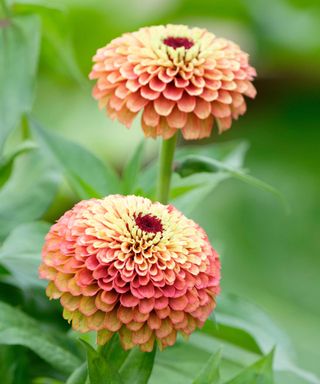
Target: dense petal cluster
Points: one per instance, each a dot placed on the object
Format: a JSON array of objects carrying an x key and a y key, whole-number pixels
[
  {"x": 124, "y": 264},
  {"x": 181, "y": 78}
]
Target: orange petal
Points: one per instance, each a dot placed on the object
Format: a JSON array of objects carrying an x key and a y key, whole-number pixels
[
  {"x": 148, "y": 346},
  {"x": 148, "y": 130},
  {"x": 96, "y": 321},
  {"x": 163, "y": 106},
  {"x": 172, "y": 92},
  {"x": 87, "y": 305},
  {"x": 148, "y": 93},
  {"x": 135, "y": 102},
  {"x": 154, "y": 321},
  {"x": 165, "y": 329},
  {"x": 111, "y": 321},
  {"x": 125, "y": 314},
  {"x": 220, "y": 110},
  {"x": 125, "y": 116},
  {"x": 209, "y": 95},
  {"x": 202, "y": 109},
  {"x": 70, "y": 302},
  {"x": 156, "y": 84},
  {"x": 150, "y": 116},
  {"x": 103, "y": 336},
  {"x": 52, "y": 291},
  {"x": 224, "y": 97},
  {"x": 177, "y": 118},
  {"x": 142, "y": 335},
  {"x": 187, "y": 103},
  {"x": 178, "y": 304}
]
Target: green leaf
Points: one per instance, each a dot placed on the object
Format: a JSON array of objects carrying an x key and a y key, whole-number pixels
[
  {"x": 14, "y": 364},
  {"x": 21, "y": 253},
  {"x": 16, "y": 328},
  {"x": 132, "y": 169},
  {"x": 101, "y": 370},
  {"x": 210, "y": 372},
  {"x": 113, "y": 351},
  {"x": 29, "y": 192},
  {"x": 237, "y": 314},
  {"x": 56, "y": 33},
  {"x": 46, "y": 380},
  {"x": 197, "y": 186},
  {"x": 232, "y": 334},
  {"x": 137, "y": 367},
  {"x": 79, "y": 375},
  {"x": 6, "y": 163},
  {"x": 19, "y": 54},
  {"x": 260, "y": 372},
  {"x": 87, "y": 175},
  {"x": 197, "y": 164}
]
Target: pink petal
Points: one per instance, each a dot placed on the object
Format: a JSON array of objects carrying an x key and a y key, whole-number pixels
[
  {"x": 209, "y": 95},
  {"x": 186, "y": 103},
  {"x": 135, "y": 102},
  {"x": 150, "y": 116},
  {"x": 157, "y": 85},
  {"x": 163, "y": 106},
  {"x": 172, "y": 92},
  {"x": 220, "y": 110},
  {"x": 202, "y": 109},
  {"x": 148, "y": 93},
  {"x": 224, "y": 97}
]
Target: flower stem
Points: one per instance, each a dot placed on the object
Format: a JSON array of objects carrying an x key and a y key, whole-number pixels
[
  {"x": 165, "y": 169},
  {"x": 4, "y": 12}
]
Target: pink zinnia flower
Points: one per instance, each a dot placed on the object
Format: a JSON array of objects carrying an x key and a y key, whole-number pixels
[
  {"x": 180, "y": 78},
  {"x": 124, "y": 264}
]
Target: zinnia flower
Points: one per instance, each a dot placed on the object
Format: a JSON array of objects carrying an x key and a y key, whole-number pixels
[
  {"x": 181, "y": 78},
  {"x": 124, "y": 264}
]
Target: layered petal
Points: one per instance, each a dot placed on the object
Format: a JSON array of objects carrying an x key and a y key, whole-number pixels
[
  {"x": 125, "y": 264},
  {"x": 173, "y": 72}
]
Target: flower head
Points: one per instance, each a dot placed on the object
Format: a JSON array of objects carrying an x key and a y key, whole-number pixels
[
  {"x": 124, "y": 264},
  {"x": 181, "y": 78}
]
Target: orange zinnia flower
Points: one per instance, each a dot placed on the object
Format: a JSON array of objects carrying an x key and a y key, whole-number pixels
[
  {"x": 180, "y": 78},
  {"x": 124, "y": 264}
]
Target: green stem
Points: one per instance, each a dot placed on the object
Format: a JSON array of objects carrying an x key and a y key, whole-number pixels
[
  {"x": 4, "y": 9},
  {"x": 165, "y": 169},
  {"x": 25, "y": 130}
]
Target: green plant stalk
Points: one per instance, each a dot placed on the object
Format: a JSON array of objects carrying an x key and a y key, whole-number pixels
[
  {"x": 25, "y": 129},
  {"x": 4, "y": 10},
  {"x": 165, "y": 169}
]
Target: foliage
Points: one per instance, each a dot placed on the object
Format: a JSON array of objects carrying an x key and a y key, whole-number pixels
[{"x": 237, "y": 346}]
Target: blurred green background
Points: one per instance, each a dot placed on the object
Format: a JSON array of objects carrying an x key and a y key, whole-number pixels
[{"x": 268, "y": 256}]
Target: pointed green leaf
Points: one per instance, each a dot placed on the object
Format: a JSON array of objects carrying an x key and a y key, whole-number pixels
[
  {"x": 132, "y": 169},
  {"x": 47, "y": 380},
  {"x": 56, "y": 33},
  {"x": 101, "y": 370},
  {"x": 79, "y": 375},
  {"x": 29, "y": 192},
  {"x": 188, "y": 192},
  {"x": 16, "y": 328},
  {"x": 87, "y": 175},
  {"x": 247, "y": 326},
  {"x": 6, "y": 164},
  {"x": 210, "y": 372},
  {"x": 197, "y": 164},
  {"x": 260, "y": 372},
  {"x": 113, "y": 351},
  {"x": 137, "y": 367},
  {"x": 19, "y": 38},
  {"x": 23, "y": 247}
]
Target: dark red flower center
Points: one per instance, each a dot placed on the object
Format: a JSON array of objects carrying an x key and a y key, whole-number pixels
[
  {"x": 149, "y": 223},
  {"x": 177, "y": 42}
]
